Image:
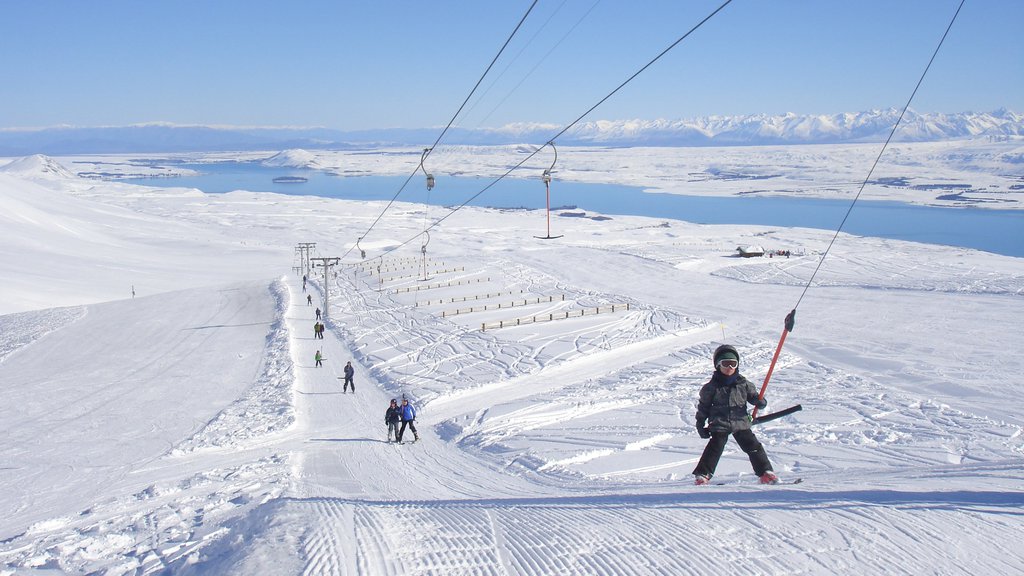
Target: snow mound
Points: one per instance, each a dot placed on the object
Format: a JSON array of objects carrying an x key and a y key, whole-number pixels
[
  {"x": 37, "y": 165},
  {"x": 296, "y": 158}
]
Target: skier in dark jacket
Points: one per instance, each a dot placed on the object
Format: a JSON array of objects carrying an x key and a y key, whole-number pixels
[
  {"x": 392, "y": 417},
  {"x": 723, "y": 406},
  {"x": 408, "y": 418},
  {"x": 349, "y": 372}
]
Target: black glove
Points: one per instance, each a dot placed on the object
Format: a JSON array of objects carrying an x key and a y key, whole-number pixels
[
  {"x": 762, "y": 404},
  {"x": 703, "y": 431}
]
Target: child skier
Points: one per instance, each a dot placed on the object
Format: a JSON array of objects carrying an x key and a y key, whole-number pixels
[
  {"x": 723, "y": 404},
  {"x": 392, "y": 417}
]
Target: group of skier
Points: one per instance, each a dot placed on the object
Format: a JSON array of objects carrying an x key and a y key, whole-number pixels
[{"x": 403, "y": 414}]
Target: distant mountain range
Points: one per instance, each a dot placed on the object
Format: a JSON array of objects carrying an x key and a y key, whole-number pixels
[{"x": 752, "y": 130}]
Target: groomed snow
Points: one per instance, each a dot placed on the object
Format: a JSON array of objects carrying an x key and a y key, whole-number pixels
[{"x": 186, "y": 430}]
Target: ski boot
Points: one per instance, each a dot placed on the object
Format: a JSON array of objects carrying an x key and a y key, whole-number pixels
[
  {"x": 769, "y": 478},
  {"x": 701, "y": 480}
]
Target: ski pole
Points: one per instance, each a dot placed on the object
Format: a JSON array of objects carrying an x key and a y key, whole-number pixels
[{"x": 790, "y": 322}]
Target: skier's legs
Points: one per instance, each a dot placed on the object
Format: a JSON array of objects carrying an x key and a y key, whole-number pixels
[
  {"x": 412, "y": 426},
  {"x": 712, "y": 454},
  {"x": 401, "y": 430},
  {"x": 755, "y": 451}
]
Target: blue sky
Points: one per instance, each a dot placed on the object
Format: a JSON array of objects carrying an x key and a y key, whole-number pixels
[{"x": 384, "y": 63}]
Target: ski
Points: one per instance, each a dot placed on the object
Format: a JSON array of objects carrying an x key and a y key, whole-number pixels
[{"x": 779, "y": 483}]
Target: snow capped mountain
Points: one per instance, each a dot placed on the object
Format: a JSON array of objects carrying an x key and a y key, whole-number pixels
[
  {"x": 791, "y": 128},
  {"x": 748, "y": 130}
]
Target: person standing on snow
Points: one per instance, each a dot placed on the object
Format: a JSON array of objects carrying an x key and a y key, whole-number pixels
[
  {"x": 319, "y": 358},
  {"x": 723, "y": 405},
  {"x": 309, "y": 299},
  {"x": 317, "y": 313},
  {"x": 392, "y": 417},
  {"x": 349, "y": 372},
  {"x": 408, "y": 414}
]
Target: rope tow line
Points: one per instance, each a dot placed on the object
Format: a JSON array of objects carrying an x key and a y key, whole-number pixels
[
  {"x": 551, "y": 141},
  {"x": 427, "y": 151},
  {"x": 791, "y": 317}
]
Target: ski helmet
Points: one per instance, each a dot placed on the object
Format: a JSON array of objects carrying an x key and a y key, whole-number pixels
[{"x": 725, "y": 352}]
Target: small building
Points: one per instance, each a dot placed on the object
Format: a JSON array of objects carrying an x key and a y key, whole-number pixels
[{"x": 750, "y": 251}]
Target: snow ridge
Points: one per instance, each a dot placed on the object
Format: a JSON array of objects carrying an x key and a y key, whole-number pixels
[{"x": 266, "y": 407}]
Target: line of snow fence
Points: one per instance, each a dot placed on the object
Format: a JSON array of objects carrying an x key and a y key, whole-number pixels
[
  {"x": 500, "y": 306},
  {"x": 430, "y": 273},
  {"x": 552, "y": 317},
  {"x": 446, "y": 285},
  {"x": 466, "y": 298},
  {"x": 396, "y": 263},
  {"x": 410, "y": 266}
]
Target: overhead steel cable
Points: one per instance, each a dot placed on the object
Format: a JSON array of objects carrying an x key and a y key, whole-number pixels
[
  {"x": 880, "y": 152},
  {"x": 450, "y": 122},
  {"x": 790, "y": 320},
  {"x": 567, "y": 127}
]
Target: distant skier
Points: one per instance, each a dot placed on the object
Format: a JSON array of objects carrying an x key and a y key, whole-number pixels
[
  {"x": 408, "y": 414},
  {"x": 723, "y": 404},
  {"x": 309, "y": 299},
  {"x": 392, "y": 417},
  {"x": 349, "y": 372},
  {"x": 319, "y": 358},
  {"x": 317, "y": 313}
]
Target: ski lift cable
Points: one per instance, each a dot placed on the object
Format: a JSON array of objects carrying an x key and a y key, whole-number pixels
[
  {"x": 569, "y": 126},
  {"x": 450, "y": 122},
  {"x": 515, "y": 58},
  {"x": 880, "y": 153},
  {"x": 538, "y": 64},
  {"x": 791, "y": 317}
]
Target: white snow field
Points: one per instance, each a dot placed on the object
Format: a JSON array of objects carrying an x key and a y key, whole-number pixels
[{"x": 186, "y": 430}]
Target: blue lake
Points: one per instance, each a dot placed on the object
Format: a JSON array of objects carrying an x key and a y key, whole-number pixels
[{"x": 997, "y": 231}]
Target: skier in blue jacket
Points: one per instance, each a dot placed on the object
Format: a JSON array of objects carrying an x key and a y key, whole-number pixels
[{"x": 408, "y": 414}]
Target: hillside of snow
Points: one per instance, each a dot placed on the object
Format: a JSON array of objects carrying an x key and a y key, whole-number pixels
[
  {"x": 163, "y": 412},
  {"x": 296, "y": 158}
]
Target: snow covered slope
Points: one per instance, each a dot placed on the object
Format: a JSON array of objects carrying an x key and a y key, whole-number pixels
[{"x": 188, "y": 431}]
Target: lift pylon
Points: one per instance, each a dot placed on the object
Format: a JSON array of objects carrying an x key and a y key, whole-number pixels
[{"x": 547, "y": 192}]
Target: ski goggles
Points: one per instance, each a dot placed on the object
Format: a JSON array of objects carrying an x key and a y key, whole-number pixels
[{"x": 728, "y": 363}]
